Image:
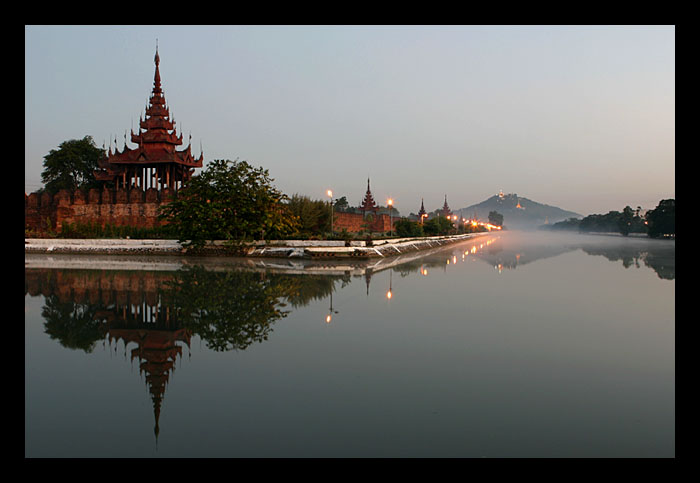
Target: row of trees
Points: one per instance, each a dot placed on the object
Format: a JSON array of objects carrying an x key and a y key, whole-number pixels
[{"x": 659, "y": 222}]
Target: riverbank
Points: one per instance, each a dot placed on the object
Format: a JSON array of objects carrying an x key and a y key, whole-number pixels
[{"x": 305, "y": 249}]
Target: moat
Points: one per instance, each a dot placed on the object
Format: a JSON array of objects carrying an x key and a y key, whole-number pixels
[{"x": 511, "y": 344}]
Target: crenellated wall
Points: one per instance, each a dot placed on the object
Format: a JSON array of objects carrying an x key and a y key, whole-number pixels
[{"x": 43, "y": 212}]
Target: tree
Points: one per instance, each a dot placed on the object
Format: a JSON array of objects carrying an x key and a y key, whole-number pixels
[
  {"x": 72, "y": 165},
  {"x": 662, "y": 219},
  {"x": 229, "y": 200},
  {"x": 624, "y": 222},
  {"x": 495, "y": 218},
  {"x": 313, "y": 215},
  {"x": 341, "y": 204},
  {"x": 437, "y": 226},
  {"x": 408, "y": 228}
]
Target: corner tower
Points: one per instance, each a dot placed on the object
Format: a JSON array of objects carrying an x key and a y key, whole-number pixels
[{"x": 155, "y": 162}]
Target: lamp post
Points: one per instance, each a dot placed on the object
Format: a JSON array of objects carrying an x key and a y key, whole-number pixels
[
  {"x": 330, "y": 195},
  {"x": 390, "y": 202}
]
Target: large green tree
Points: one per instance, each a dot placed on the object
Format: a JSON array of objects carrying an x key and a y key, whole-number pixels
[
  {"x": 72, "y": 165},
  {"x": 229, "y": 200}
]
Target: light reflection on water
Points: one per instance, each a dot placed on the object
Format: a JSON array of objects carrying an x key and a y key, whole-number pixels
[{"x": 510, "y": 345}]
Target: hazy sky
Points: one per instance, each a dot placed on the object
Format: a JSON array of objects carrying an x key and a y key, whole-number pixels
[{"x": 574, "y": 116}]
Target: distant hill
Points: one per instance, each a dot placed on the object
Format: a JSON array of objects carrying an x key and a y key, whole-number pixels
[{"x": 518, "y": 212}]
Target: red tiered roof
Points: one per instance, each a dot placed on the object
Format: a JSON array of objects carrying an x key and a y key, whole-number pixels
[
  {"x": 368, "y": 203},
  {"x": 446, "y": 208},
  {"x": 422, "y": 211},
  {"x": 156, "y": 140}
]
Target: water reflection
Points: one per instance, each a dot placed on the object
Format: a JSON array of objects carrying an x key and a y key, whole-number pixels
[
  {"x": 507, "y": 251},
  {"x": 233, "y": 304},
  {"x": 156, "y": 313}
]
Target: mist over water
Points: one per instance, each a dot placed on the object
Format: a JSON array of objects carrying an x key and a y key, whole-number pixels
[{"x": 515, "y": 344}]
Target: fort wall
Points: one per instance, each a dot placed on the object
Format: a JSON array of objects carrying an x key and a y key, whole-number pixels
[
  {"x": 136, "y": 207},
  {"x": 356, "y": 222}
]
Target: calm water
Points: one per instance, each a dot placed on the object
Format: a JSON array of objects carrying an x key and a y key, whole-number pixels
[{"x": 512, "y": 345}]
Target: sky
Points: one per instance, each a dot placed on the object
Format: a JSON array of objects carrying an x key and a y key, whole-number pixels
[{"x": 579, "y": 117}]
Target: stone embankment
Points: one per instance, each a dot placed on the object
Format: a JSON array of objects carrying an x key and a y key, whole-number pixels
[{"x": 313, "y": 249}]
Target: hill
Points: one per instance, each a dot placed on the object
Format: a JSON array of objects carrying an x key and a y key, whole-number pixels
[{"x": 518, "y": 212}]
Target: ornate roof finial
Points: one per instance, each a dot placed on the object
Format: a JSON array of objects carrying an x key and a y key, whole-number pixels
[{"x": 156, "y": 77}]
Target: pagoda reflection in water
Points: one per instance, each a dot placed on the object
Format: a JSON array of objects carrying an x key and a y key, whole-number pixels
[
  {"x": 158, "y": 313},
  {"x": 83, "y": 307}
]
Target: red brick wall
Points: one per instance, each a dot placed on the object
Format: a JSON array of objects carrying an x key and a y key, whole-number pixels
[
  {"x": 115, "y": 207},
  {"x": 353, "y": 222},
  {"x": 135, "y": 208}
]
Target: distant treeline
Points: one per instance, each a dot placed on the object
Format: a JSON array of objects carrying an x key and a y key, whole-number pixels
[{"x": 656, "y": 223}]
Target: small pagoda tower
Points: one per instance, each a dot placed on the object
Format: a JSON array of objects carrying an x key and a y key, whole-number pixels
[
  {"x": 445, "y": 211},
  {"x": 154, "y": 163},
  {"x": 422, "y": 213},
  {"x": 368, "y": 204}
]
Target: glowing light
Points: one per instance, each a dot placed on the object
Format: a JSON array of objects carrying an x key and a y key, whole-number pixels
[
  {"x": 388, "y": 294},
  {"x": 390, "y": 202},
  {"x": 329, "y": 193},
  {"x": 328, "y": 319}
]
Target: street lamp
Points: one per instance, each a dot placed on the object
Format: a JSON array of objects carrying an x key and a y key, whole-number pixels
[
  {"x": 330, "y": 195},
  {"x": 390, "y": 202}
]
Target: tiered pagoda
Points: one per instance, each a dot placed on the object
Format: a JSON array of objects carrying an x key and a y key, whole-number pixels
[
  {"x": 421, "y": 213},
  {"x": 154, "y": 163},
  {"x": 368, "y": 204},
  {"x": 445, "y": 211}
]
